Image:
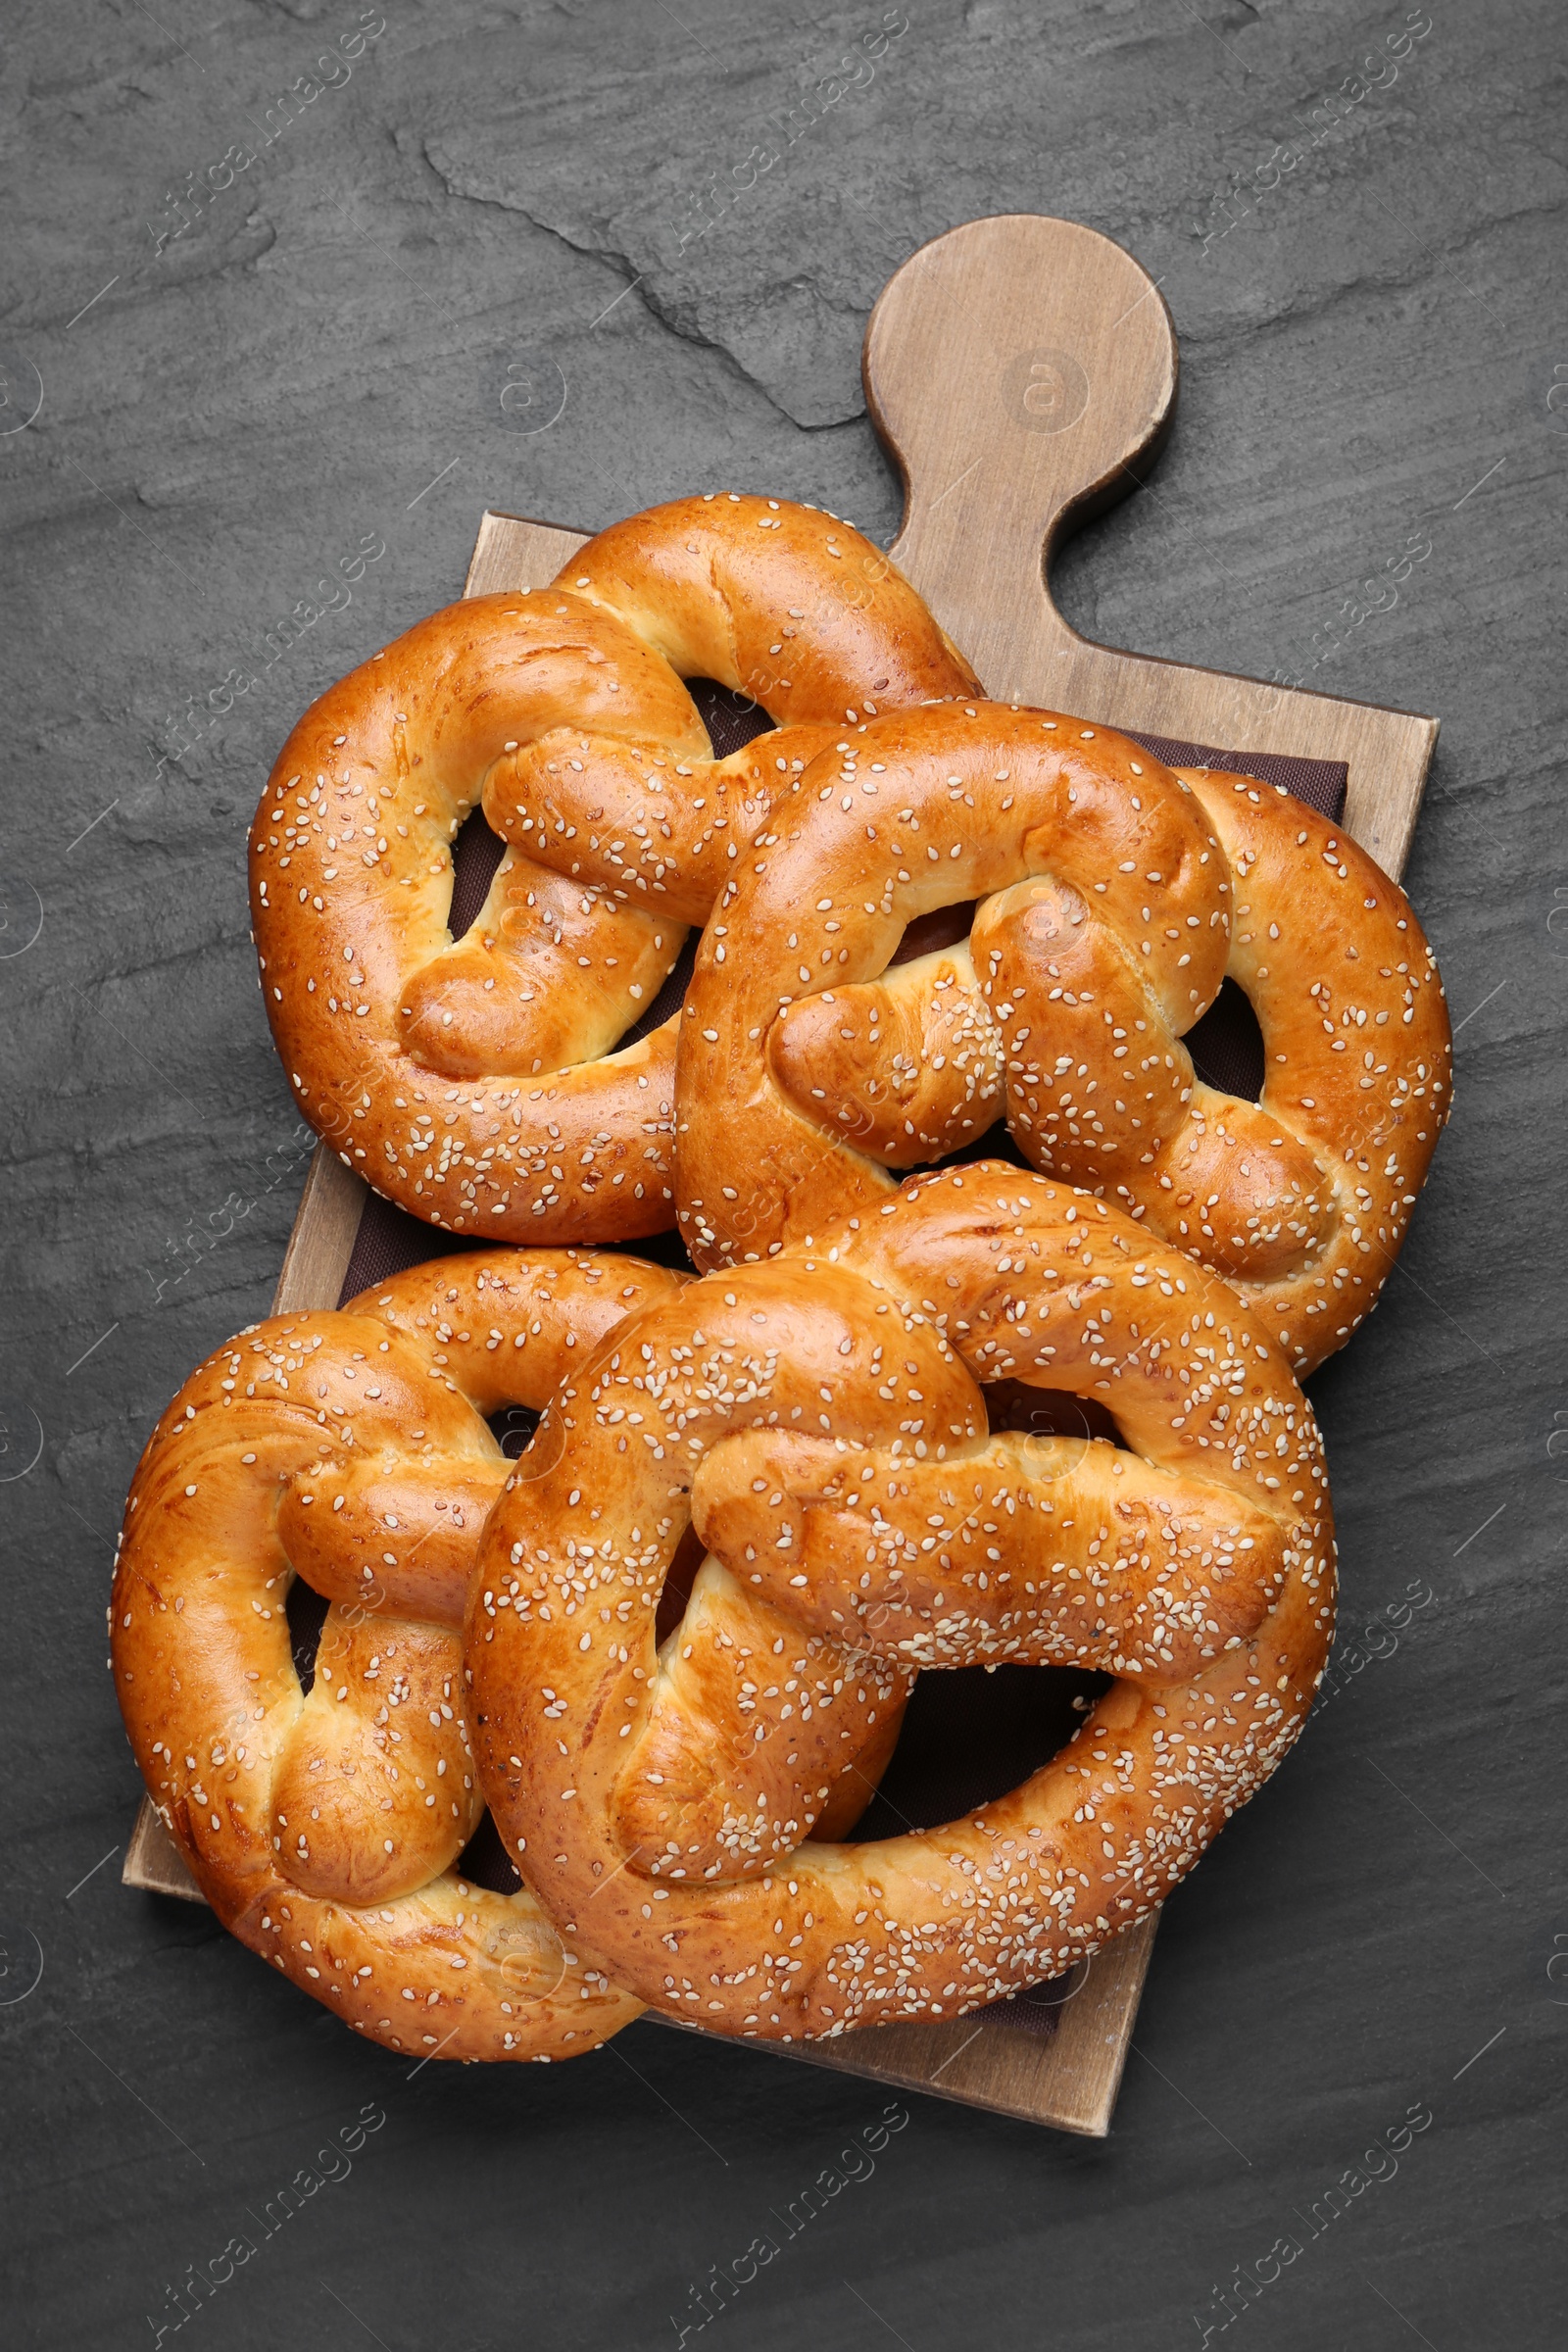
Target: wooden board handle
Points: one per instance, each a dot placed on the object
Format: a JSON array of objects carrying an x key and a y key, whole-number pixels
[
  {"x": 1016, "y": 368},
  {"x": 1022, "y": 373}
]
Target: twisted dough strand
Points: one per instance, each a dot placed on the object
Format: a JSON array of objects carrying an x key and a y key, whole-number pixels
[
  {"x": 324, "y": 1828},
  {"x": 480, "y": 1082},
  {"x": 732, "y": 1398},
  {"x": 1114, "y": 897}
]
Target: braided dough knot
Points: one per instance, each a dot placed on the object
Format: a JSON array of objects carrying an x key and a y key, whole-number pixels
[
  {"x": 483, "y": 1081},
  {"x": 821, "y": 1420},
  {"x": 1105, "y": 899},
  {"x": 325, "y": 1826}
]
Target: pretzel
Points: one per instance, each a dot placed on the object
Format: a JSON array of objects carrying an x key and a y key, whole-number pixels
[
  {"x": 1114, "y": 898},
  {"x": 819, "y": 1418},
  {"x": 479, "y": 1082},
  {"x": 325, "y": 1828}
]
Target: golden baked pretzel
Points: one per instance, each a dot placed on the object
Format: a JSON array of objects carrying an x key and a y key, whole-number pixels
[
  {"x": 1115, "y": 897},
  {"x": 324, "y": 1828},
  {"x": 479, "y": 1082},
  {"x": 819, "y": 1415}
]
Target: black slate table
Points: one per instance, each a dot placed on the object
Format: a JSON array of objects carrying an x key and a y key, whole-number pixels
[{"x": 290, "y": 295}]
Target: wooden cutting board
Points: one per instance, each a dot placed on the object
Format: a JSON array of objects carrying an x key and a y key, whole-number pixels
[{"x": 1019, "y": 370}]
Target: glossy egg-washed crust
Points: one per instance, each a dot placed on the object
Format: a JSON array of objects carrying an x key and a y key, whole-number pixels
[
  {"x": 1115, "y": 897},
  {"x": 819, "y": 1414},
  {"x": 480, "y": 1082},
  {"x": 324, "y": 1830}
]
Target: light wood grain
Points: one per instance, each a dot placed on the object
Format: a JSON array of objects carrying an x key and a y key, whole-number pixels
[
  {"x": 154, "y": 1862},
  {"x": 1019, "y": 370},
  {"x": 513, "y": 552},
  {"x": 1068, "y": 2078},
  {"x": 1023, "y": 373},
  {"x": 322, "y": 1240}
]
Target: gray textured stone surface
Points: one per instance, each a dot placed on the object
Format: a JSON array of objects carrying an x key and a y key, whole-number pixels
[{"x": 313, "y": 367}]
